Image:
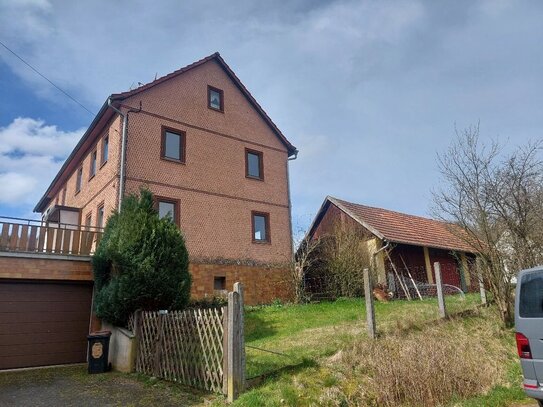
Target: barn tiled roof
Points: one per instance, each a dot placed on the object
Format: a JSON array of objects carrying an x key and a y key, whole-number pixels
[{"x": 407, "y": 229}]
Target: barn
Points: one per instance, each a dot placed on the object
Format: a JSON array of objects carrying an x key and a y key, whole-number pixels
[{"x": 403, "y": 247}]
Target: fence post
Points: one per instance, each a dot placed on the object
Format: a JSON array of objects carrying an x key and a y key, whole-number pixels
[
  {"x": 137, "y": 335},
  {"x": 440, "y": 297},
  {"x": 235, "y": 352},
  {"x": 482, "y": 289},
  {"x": 225, "y": 349},
  {"x": 370, "y": 311},
  {"x": 238, "y": 287}
]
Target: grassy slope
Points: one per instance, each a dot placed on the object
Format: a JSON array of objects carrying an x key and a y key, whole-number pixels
[{"x": 308, "y": 334}]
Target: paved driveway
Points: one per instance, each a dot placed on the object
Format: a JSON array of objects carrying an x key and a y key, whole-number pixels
[{"x": 72, "y": 386}]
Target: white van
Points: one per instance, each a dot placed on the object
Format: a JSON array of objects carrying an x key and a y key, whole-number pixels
[{"x": 529, "y": 330}]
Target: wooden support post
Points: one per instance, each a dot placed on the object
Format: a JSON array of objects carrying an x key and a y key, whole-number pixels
[
  {"x": 370, "y": 311},
  {"x": 440, "y": 296},
  {"x": 236, "y": 346}
]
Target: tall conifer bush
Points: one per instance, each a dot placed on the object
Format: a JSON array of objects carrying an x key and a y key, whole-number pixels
[{"x": 140, "y": 263}]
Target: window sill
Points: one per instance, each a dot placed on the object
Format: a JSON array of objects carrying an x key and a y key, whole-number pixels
[
  {"x": 77, "y": 192},
  {"x": 254, "y": 178},
  {"x": 173, "y": 160},
  {"x": 215, "y": 110},
  {"x": 104, "y": 163},
  {"x": 91, "y": 177},
  {"x": 261, "y": 242}
]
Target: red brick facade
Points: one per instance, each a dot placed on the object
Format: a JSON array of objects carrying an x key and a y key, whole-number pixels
[{"x": 214, "y": 197}]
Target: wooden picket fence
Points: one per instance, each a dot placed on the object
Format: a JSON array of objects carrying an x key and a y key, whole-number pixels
[{"x": 202, "y": 348}]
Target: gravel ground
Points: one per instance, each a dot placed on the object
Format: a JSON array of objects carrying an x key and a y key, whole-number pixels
[{"x": 72, "y": 386}]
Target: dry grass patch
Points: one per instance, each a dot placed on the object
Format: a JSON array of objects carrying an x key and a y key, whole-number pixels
[{"x": 454, "y": 359}]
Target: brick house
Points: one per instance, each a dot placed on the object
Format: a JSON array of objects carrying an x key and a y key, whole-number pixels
[
  {"x": 401, "y": 245},
  {"x": 213, "y": 159}
]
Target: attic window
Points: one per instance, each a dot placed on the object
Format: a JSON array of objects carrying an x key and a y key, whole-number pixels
[{"x": 215, "y": 99}]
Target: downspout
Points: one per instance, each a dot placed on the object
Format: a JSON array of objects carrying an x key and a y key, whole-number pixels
[
  {"x": 290, "y": 207},
  {"x": 124, "y": 133},
  {"x": 374, "y": 256}
]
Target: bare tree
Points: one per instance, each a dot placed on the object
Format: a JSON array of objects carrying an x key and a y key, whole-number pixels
[
  {"x": 306, "y": 256},
  {"x": 496, "y": 198}
]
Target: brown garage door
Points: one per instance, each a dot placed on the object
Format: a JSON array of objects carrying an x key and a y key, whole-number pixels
[{"x": 43, "y": 323}]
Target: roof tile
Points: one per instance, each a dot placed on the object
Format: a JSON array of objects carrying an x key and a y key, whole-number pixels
[{"x": 409, "y": 229}]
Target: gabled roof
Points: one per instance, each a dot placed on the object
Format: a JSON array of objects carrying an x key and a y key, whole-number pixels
[
  {"x": 396, "y": 227},
  {"x": 106, "y": 113},
  {"x": 222, "y": 63}
]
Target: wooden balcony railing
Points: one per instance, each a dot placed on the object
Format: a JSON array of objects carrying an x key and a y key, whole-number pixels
[{"x": 31, "y": 236}]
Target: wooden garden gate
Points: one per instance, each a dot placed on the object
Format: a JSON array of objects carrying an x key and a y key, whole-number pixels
[{"x": 202, "y": 348}]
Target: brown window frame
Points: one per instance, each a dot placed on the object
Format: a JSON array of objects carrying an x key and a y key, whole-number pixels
[
  {"x": 93, "y": 156},
  {"x": 175, "y": 202},
  {"x": 102, "y": 161},
  {"x": 260, "y": 154},
  {"x": 78, "y": 180},
  {"x": 102, "y": 206},
  {"x": 220, "y": 92},
  {"x": 182, "y": 144},
  {"x": 266, "y": 216}
]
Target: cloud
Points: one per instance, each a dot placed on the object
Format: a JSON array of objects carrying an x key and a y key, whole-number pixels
[
  {"x": 31, "y": 153},
  {"x": 367, "y": 90},
  {"x": 31, "y": 136}
]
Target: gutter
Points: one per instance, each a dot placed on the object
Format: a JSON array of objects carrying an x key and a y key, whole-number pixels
[
  {"x": 122, "y": 172},
  {"x": 290, "y": 205},
  {"x": 43, "y": 202}
]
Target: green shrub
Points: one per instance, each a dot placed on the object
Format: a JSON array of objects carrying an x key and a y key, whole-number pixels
[{"x": 140, "y": 263}]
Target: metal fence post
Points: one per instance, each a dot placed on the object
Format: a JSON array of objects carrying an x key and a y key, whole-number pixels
[
  {"x": 235, "y": 348},
  {"x": 370, "y": 311},
  {"x": 440, "y": 296}
]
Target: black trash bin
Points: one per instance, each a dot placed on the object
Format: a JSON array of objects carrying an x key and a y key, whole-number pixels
[{"x": 98, "y": 351}]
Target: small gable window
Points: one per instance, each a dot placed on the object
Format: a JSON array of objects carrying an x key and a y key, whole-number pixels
[
  {"x": 215, "y": 99},
  {"x": 173, "y": 145},
  {"x": 254, "y": 165}
]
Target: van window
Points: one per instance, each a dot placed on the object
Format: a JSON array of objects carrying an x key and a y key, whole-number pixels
[{"x": 531, "y": 296}]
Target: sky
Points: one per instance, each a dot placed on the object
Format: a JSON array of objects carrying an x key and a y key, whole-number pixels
[{"x": 368, "y": 91}]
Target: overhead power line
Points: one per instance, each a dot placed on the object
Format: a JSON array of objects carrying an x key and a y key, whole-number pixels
[{"x": 46, "y": 78}]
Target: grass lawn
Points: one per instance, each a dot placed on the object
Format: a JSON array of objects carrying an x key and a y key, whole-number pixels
[
  {"x": 310, "y": 336},
  {"x": 306, "y": 332}
]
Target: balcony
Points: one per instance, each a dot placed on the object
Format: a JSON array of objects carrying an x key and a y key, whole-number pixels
[{"x": 46, "y": 237}]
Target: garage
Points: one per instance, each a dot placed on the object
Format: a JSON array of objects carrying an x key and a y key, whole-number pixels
[{"x": 43, "y": 322}]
